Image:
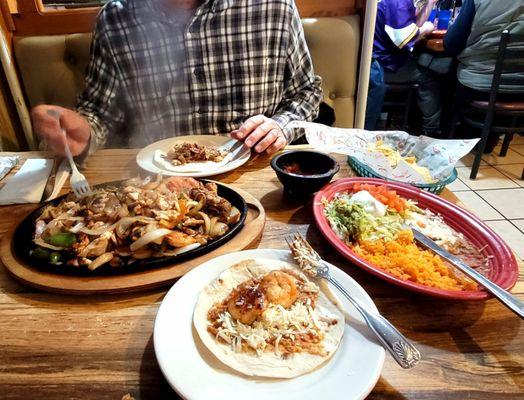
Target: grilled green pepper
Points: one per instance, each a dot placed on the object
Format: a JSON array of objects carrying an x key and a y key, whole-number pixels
[
  {"x": 55, "y": 257},
  {"x": 41, "y": 253},
  {"x": 65, "y": 239}
]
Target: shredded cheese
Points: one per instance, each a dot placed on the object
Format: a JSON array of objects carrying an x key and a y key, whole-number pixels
[{"x": 274, "y": 324}]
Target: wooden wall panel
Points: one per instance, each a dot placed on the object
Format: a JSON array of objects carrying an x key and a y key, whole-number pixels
[
  {"x": 31, "y": 21},
  {"x": 12, "y": 5},
  {"x": 11, "y": 137},
  {"x": 326, "y": 8}
]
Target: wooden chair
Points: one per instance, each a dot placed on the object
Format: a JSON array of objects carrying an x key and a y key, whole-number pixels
[{"x": 508, "y": 61}]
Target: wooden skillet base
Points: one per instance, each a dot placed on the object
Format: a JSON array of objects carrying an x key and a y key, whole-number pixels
[{"x": 132, "y": 282}]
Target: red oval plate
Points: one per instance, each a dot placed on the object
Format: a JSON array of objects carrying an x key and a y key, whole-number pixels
[{"x": 504, "y": 268}]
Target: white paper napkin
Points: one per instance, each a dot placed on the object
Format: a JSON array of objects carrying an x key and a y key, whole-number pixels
[
  {"x": 61, "y": 176},
  {"x": 7, "y": 164},
  {"x": 27, "y": 185}
]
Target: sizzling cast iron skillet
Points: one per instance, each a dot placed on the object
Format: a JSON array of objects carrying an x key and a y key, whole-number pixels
[{"x": 23, "y": 241}]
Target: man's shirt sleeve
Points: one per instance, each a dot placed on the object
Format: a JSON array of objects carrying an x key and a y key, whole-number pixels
[
  {"x": 302, "y": 90},
  {"x": 400, "y": 23},
  {"x": 457, "y": 35},
  {"x": 99, "y": 101}
]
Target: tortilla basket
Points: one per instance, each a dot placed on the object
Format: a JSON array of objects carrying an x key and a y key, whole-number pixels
[{"x": 437, "y": 187}]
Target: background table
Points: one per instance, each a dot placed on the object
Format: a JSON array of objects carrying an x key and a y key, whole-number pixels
[
  {"x": 101, "y": 347},
  {"x": 435, "y": 40}
]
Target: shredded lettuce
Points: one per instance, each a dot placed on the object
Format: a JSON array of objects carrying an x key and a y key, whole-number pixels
[{"x": 351, "y": 223}]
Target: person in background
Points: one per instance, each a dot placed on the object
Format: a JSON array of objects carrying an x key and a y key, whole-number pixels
[
  {"x": 474, "y": 38},
  {"x": 398, "y": 26},
  {"x": 162, "y": 68}
]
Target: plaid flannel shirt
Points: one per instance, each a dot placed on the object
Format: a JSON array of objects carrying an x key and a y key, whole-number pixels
[{"x": 155, "y": 73}]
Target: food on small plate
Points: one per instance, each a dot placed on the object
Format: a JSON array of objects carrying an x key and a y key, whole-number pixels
[
  {"x": 184, "y": 153},
  {"x": 376, "y": 223},
  {"x": 139, "y": 219},
  {"x": 267, "y": 318},
  {"x": 394, "y": 157},
  {"x": 189, "y": 156}
]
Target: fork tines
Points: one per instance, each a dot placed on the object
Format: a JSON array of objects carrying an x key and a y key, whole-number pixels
[{"x": 302, "y": 240}]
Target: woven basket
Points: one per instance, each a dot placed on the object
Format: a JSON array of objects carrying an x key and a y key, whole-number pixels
[{"x": 365, "y": 171}]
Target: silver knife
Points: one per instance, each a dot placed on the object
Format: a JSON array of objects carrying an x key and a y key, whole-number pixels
[
  {"x": 504, "y": 296},
  {"x": 236, "y": 149},
  {"x": 50, "y": 184}
]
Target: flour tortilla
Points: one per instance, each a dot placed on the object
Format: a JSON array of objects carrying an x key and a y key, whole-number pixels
[
  {"x": 268, "y": 364},
  {"x": 204, "y": 166}
]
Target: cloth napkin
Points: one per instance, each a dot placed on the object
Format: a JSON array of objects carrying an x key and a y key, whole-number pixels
[{"x": 27, "y": 185}]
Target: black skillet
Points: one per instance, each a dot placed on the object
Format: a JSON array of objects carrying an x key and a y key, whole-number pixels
[{"x": 23, "y": 242}]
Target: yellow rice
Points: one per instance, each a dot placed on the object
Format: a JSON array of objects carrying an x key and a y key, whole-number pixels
[{"x": 403, "y": 259}]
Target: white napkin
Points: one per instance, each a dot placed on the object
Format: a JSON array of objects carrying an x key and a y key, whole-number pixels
[
  {"x": 7, "y": 164},
  {"x": 62, "y": 173},
  {"x": 28, "y": 184}
]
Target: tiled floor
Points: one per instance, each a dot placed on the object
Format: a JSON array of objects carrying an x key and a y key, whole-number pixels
[{"x": 497, "y": 195}]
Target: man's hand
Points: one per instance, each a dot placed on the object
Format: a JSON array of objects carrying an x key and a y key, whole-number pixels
[
  {"x": 262, "y": 133},
  {"x": 424, "y": 13},
  {"x": 48, "y": 123},
  {"x": 426, "y": 29}
]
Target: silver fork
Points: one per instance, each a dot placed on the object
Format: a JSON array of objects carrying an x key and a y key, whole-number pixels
[
  {"x": 404, "y": 353},
  {"x": 78, "y": 181}
]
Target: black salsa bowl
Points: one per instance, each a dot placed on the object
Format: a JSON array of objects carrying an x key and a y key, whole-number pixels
[
  {"x": 23, "y": 241},
  {"x": 304, "y": 172}
]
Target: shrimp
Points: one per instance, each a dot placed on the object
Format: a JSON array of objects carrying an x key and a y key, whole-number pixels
[
  {"x": 247, "y": 303},
  {"x": 179, "y": 239},
  {"x": 280, "y": 288}
]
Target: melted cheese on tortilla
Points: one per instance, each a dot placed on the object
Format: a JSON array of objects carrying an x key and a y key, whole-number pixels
[{"x": 275, "y": 323}]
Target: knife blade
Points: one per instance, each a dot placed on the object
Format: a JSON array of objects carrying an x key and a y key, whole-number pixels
[
  {"x": 236, "y": 149},
  {"x": 50, "y": 184},
  {"x": 504, "y": 296}
]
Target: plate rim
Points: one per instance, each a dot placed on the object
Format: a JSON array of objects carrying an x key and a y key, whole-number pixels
[
  {"x": 264, "y": 254},
  {"x": 327, "y": 232},
  {"x": 222, "y": 170}
]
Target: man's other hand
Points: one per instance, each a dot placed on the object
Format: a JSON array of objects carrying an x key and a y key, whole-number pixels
[
  {"x": 262, "y": 133},
  {"x": 50, "y": 121},
  {"x": 426, "y": 29}
]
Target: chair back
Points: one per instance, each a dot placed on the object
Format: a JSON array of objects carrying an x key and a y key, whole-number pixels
[
  {"x": 334, "y": 44},
  {"x": 509, "y": 61},
  {"x": 52, "y": 68}
]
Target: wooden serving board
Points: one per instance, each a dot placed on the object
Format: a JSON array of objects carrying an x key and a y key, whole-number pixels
[{"x": 131, "y": 282}]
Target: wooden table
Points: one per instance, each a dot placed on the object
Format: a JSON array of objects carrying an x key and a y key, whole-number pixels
[
  {"x": 435, "y": 40},
  {"x": 101, "y": 347}
]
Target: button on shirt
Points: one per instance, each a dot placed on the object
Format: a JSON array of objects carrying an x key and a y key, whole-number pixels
[
  {"x": 156, "y": 73},
  {"x": 395, "y": 33}
]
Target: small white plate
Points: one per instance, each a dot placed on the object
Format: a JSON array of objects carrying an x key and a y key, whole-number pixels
[
  {"x": 194, "y": 372},
  {"x": 145, "y": 158}
]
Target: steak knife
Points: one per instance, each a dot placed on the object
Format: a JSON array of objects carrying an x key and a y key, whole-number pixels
[{"x": 510, "y": 301}]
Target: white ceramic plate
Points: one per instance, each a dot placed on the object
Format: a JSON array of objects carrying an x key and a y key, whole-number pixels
[
  {"x": 145, "y": 158},
  {"x": 194, "y": 372}
]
